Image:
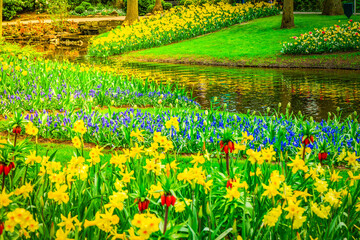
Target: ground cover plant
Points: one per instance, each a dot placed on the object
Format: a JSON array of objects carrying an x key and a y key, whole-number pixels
[
  {"x": 326, "y": 40},
  {"x": 175, "y": 25}
]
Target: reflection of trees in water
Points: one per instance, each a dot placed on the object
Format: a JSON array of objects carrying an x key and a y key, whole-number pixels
[{"x": 314, "y": 92}]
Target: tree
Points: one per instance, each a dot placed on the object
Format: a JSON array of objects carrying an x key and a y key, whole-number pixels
[
  {"x": 333, "y": 7},
  {"x": 158, "y": 6},
  {"x": 132, "y": 12},
  {"x": 288, "y": 14},
  {"x": 1, "y": 9}
]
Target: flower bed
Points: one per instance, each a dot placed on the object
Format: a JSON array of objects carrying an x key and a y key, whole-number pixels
[
  {"x": 326, "y": 40},
  {"x": 43, "y": 84},
  {"x": 149, "y": 193},
  {"x": 175, "y": 25},
  {"x": 198, "y": 129}
]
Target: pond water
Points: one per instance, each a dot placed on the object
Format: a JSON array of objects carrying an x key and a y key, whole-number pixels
[{"x": 313, "y": 92}]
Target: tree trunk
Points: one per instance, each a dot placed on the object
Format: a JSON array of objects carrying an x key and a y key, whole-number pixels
[
  {"x": 1, "y": 9},
  {"x": 132, "y": 13},
  {"x": 158, "y": 6},
  {"x": 333, "y": 7},
  {"x": 119, "y": 4},
  {"x": 288, "y": 14}
]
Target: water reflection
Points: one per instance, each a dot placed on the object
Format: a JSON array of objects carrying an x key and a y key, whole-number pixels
[{"x": 313, "y": 92}]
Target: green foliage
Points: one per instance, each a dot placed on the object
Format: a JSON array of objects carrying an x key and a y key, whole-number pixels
[
  {"x": 308, "y": 5},
  {"x": 150, "y": 8},
  {"x": 86, "y": 5},
  {"x": 11, "y": 8},
  {"x": 165, "y": 5},
  {"x": 79, "y": 9},
  {"x": 91, "y": 9},
  {"x": 144, "y": 6}
]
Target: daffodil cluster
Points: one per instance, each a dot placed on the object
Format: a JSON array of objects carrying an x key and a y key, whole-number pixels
[{"x": 175, "y": 25}]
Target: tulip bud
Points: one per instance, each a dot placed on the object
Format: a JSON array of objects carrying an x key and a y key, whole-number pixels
[
  {"x": 300, "y": 114},
  {"x": 355, "y": 113},
  {"x": 311, "y": 119},
  {"x": 200, "y": 212},
  {"x": 205, "y": 123},
  {"x": 195, "y": 119},
  {"x": 288, "y": 105},
  {"x": 52, "y": 230},
  {"x": 338, "y": 109},
  {"x": 225, "y": 105},
  {"x": 206, "y": 112},
  {"x": 234, "y": 231},
  {"x": 208, "y": 211},
  {"x": 279, "y": 105},
  {"x": 215, "y": 99},
  {"x": 268, "y": 109}
]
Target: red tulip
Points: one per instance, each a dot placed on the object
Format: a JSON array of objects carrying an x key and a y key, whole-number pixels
[
  {"x": 221, "y": 145},
  {"x": 7, "y": 170},
  {"x": 1, "y": 168},
  {"x": 168, "y": 201},
  {"x": 163, "y": 200},
  {"x": 173, "y": 200},
  {"x": 12, "y": 164},
  {"x": 140, "y": 206},
  {"x": 324, "y": 155},
  {"x": 312, "y": 139},
  {"x": 231, "y": 146},
  {"x": 320, "y": 156},
  {"x": 1, "y": 228},
  {"x": 226, "y": 149},
  {"x": 17, "y": 130},
  {"x": 147, "y": 202}
]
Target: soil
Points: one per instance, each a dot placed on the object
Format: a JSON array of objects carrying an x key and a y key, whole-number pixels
[{"x": 322, "y": 61}]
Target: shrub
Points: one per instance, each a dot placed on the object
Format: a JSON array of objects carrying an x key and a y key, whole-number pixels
[
  {"x": 326, "y": 40},
  {"x": 166, "y": 5},
  {"x": 91, "y": 9},
  {"x": 150, "y": 8},
  {"x": 11, "y": 8},
  {"x": 144, "y": 5},
  {"x": 86, "y": 5},
  {"x": 79, "y": 9}
]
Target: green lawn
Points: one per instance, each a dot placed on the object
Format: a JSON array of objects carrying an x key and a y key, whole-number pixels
[{"x": 260, "y": 38}]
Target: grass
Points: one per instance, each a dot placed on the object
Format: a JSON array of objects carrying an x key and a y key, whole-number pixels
[{"x": 254, "y": 43}]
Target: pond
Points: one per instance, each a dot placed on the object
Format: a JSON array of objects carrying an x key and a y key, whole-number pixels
[{"x": 314, "y": 92}]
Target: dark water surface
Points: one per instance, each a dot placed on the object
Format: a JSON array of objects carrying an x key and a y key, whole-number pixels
[{"x": 314, "y": 92}]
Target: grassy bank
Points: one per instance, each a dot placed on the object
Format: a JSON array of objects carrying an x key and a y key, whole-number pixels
[{"x": 256, "y": 43}]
